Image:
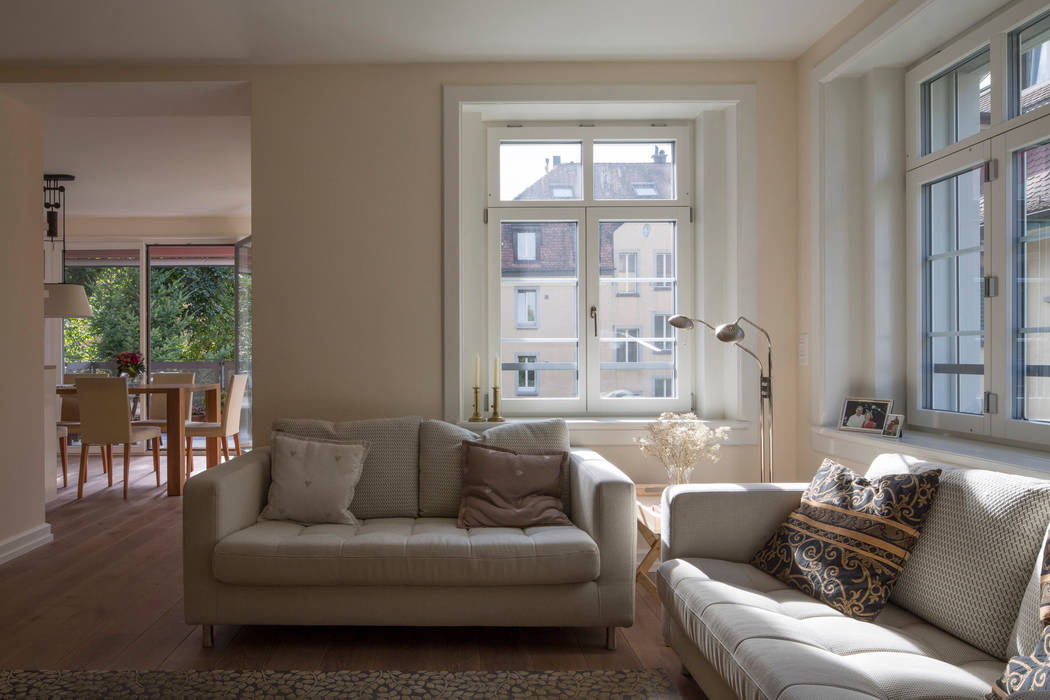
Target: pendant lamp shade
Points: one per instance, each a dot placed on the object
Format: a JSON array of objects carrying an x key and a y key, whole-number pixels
[{"x": 62, "y": 300}]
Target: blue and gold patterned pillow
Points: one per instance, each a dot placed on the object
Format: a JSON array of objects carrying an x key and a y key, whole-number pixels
[
  {"x": 1031, "y": 672},
  {"x": 850, "y": 537}
]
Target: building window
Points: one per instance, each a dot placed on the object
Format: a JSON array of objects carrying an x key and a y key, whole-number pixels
[
  {"x": 525, "y": 246},
  {"x": 1030, "y": 70},
  {"x": 663, "y": 268},
  {"x": 586, "y": 261},
  {"x": 957, "y": 103},
  {"x": 526, "y": 308},
  {"x": 662, "y": 329},
  {"x": 627, "y": 270},
  {"x": 663, "y": 387},
  {"x": 525, "y": 379},
  {"x": 627, "y": 350}
]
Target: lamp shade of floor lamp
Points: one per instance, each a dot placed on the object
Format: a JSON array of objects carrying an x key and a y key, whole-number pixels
[{"x": 734, "y": 333}]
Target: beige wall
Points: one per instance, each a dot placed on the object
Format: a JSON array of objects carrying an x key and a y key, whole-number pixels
[
  {"x": 347, "y": 204},
  {"x": 21, "y": 319},
  {"x": 808, "y": 460}
]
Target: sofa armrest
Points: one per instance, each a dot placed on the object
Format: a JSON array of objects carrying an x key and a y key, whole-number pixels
[
  {"x": 723, "y": 521},
  {"x": 603, "y": 506},
  {"x": 216, "y": 503}
]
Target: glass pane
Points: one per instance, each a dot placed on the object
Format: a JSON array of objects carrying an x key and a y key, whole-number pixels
[
  {"x": 1034, "y": 69},
  {"x": 1032, "y": 294},
  {"x": 954, "y": 313},
  {"x": 193, "y": 313},
  {"x": 634, "y": 170},
  {"x": 637, "y": 346},
  {"x": 111, "y": 280},
  {"x": 543, "y": 171},
  {"x": 243, "y": 357},
  {"x": 539, "y": 309},
  {"x": 957, "y": 104}
]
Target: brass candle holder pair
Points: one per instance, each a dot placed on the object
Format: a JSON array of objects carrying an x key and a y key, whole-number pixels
[{"x": 495, "y": 417}]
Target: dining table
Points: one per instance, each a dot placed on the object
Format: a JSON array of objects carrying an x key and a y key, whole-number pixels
[{"x": 176, "y": 396}]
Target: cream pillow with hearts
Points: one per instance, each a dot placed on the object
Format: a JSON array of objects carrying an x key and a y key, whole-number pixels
[{"x": 313, "y": 481}]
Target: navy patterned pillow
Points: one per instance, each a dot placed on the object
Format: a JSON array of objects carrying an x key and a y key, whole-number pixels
[
  {"x": 850, "y": 537},
  {"x": 1031, "y": 672}
]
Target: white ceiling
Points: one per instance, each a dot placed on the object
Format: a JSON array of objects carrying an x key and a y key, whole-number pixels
[
  {"x": 147, "y": 149},
  {"x": 344, "y": 31}
]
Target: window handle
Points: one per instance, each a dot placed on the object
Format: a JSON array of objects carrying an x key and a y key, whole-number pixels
[{"x": 594, "y": 315}]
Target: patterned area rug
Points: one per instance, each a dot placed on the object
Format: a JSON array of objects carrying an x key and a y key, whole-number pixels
[{"x": 387, "y": 685}]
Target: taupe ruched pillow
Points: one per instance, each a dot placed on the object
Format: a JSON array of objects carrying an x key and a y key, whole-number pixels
[{"x": 502, "y": 488}]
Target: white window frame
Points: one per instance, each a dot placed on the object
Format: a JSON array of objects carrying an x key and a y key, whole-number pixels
[
  {"x": 519, "y": 389},
  {"x": 524, "y": 323},
  {"x": 658, "y": 380},
  {"x": 665, "y": 347},
  {"x": 627, "y": 346},
  {"x": 518, "y": 257},
  {"x": 681, "y": 135},
  {"x": 657, "y": 272},
  {"x": 629, "y": 272}
]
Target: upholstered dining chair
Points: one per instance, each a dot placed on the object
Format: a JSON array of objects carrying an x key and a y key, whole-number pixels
[
  {"x": 158, "y": 405},
  {"x": 105, "y": 419},
  {"x": 69, "y": 416},
  {"x": 230, "y": 424}
]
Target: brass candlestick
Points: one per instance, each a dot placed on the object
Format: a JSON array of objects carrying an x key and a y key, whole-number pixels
[
  {"x": 495, "y": 417},
  {"x": 476, "y": 418}
]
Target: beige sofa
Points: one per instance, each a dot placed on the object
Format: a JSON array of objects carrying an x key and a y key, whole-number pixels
[
  {"x": 408, "y": 563},
  {"x": 965, "y": 602}
]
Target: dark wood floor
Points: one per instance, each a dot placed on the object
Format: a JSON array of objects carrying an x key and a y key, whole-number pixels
[{"x": 107, "y": 594}]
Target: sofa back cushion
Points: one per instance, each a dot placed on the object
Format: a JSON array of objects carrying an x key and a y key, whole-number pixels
[
  {"x": 970, "y": 569},
  {"x": 389, "y": 485},
  {"x": 441, "y": 458}
]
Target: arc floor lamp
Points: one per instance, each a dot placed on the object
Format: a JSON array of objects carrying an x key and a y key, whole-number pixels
[{"x": 733, "y": 333}]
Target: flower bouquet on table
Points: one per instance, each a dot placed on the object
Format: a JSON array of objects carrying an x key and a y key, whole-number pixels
[
  {"x": 680, "y": 441},
  {"x": 130, "y": 364}
]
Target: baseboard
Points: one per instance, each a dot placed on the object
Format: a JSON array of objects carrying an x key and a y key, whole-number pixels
[{"x": 22, "y": 543}]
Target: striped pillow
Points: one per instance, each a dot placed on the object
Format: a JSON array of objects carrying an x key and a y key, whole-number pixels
[
  {"x": 1031, "y": 672},
  {"x": 850, "y": 537}
]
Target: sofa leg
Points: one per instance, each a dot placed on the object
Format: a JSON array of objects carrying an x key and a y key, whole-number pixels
[
  {"x": 610, "y": 638},
  {"x": 207, "y": 636}
]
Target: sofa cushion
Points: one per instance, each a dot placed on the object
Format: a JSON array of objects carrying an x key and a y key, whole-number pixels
[
  {"x": 312, "y": 481},
  {"x": 441, "y": 458},
  {"x": 769, "y": 640},
  {"x": 404, "y": 552},
  {"x": 1032, "y": 671},
  {"x": 970, "y": 569},
  {"x": 389, "y": 485},
  {"x": 502, "y": 488},
  {"x": 850, "y": 537}
]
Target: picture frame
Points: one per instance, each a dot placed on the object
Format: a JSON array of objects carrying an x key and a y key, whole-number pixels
[
  {"x": 893, "y": 426},
  {"x": 865, "y": 415}
]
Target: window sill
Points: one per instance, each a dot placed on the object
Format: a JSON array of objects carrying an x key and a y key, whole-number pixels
[
  {"x": 862, "y": 448},
  {"x": 588, "y": 432}
]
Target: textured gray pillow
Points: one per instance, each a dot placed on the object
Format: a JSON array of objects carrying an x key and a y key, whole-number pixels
[
  {"x": 312, "y": 481},
  {"x": 441, "y": 458},
  {"x": 970, "y": 569},
  {"x": 389, "y": 486}
]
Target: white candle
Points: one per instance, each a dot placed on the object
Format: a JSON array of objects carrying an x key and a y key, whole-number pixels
[
  {"x": 477, "y": 370},
  {"x": 495, "y": 371}
]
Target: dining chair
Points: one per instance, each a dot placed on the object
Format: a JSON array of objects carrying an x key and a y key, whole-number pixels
[
  {"x": 158, "y": 404},
  {"x": 69, "y": 416},
  {"x": 230, "y": 424},
  {"x": 63, "y": 451},
  {"x": 105, "y": 419}
]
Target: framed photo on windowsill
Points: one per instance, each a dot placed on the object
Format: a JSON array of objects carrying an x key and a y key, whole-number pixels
[
  {"x": 894, "y": 423},
  {"x": 865, "y": 415}
]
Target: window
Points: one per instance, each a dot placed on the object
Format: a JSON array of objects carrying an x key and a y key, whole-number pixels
[
  {"x": 1030, "y": 71},
  {"x": 957, "y": 103},
  {"x": 663, "y": 386},
  {"x": 526, "y": 307},
  {"x": 111, "y": 280},
  {"x": 663, "y": 268},
  {"x": 563, "y": 192},
  {"x": 627, "y": 269},
  {"x": 953, "y": 337},
  {"x": 662, "y": 329},
  {"x": 525, "y": 384},
  {"x": 627, "y": 350},
  {"x": 585, "y": 262},
  {"x": 525, "y": 246}
]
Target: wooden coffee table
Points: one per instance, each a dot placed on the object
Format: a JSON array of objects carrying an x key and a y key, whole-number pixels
[{"x": 647, "y": 503}]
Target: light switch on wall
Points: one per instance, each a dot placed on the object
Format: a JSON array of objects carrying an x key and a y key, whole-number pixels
[{"x": 803, "y": 349}]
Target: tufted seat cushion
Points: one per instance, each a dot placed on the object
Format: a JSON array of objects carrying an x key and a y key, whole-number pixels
[
  {"x": 769, "y": 640},
  {"x": 404, "y": 551}
]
